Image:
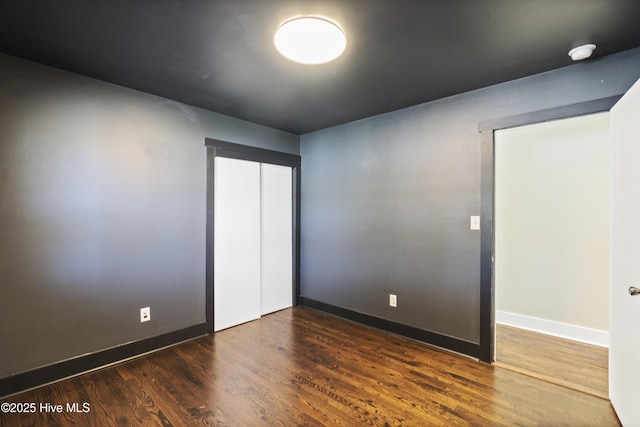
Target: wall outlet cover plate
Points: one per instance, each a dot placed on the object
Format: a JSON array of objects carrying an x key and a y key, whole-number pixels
[{"x": 145, "y": 314}]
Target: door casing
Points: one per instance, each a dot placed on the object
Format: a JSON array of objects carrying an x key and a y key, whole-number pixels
[
  {"x": 487, "y": 129},
  {"x": 220, "y": 148}
]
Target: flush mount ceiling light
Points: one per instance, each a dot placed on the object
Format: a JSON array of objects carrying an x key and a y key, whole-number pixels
[
  {"x": 582, "y": 52},
  {"x": 310, "y": 40}
]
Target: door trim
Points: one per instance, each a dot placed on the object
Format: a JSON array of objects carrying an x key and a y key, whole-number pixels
[
  {"x": 487, "y": 188},
  {"x": 217, "y": 148}
]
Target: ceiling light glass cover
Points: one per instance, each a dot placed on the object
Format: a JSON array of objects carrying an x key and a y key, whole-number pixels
[{"x": 310, "y": 40}]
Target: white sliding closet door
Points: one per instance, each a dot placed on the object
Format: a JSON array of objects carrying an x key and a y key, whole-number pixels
[
  {"x": 237, "y": 242},
  {"x": 253, "y": 247},
  {"x": 277, "y": 244}
]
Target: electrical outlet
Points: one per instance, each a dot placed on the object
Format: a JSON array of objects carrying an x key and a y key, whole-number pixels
[
  {"x": 145, "y": 314},
  {"x": 393, "y": 300}
]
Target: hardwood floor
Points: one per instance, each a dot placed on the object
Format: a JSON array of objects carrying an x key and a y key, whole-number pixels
[
  {"x": 568, "y": 363},
  {"x": 301, "y": 367}
]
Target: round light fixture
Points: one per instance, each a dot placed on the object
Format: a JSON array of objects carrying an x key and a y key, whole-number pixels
[
  {"x": 582, "y": 52},
  {"x": 310, "y": 40}
]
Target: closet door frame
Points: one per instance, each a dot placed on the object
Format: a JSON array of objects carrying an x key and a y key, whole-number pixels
[{"x": 217, "y": 148}]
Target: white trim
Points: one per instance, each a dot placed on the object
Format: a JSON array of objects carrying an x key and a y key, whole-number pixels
[{"x": 558, "y": 329}]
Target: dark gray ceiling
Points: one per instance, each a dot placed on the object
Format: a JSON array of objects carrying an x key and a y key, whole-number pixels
[{"x": 219, "y": 54}]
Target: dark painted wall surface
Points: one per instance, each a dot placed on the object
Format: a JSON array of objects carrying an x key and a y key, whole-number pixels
[
  {"x": 386, "y": 201},
  {"x": 102, "y": 212}
]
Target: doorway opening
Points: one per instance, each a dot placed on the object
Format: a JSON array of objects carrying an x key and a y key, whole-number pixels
[
  {"x": 488, "y": 255},
  {"x": 551, "y": 230}
]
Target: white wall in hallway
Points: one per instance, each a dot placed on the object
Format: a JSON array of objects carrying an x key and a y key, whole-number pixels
[{"x": 552, "y": 221}]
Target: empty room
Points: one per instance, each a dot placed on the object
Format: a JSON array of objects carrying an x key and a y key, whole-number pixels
[{"x": 319, "y": 213}]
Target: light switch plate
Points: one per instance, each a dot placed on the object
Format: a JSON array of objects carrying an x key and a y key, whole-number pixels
[
  {"x": 475, "y": 222},
  {"x": 393, "y": 300}
]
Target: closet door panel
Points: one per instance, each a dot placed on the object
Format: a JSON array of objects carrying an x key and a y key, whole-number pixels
[
  {"x": 277, "y": 238},
  {"x": 236, "y": 242}
]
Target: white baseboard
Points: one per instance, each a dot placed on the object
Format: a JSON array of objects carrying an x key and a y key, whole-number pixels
[{"x": 549, "y": 327}]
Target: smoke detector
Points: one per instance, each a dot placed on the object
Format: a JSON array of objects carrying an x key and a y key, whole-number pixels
[{"x": 582, "y": 52}]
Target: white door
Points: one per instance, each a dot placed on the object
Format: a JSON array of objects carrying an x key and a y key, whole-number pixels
[
  {"x": 253, "y": 244},
  {"x": 624, "y": 329},
  {"x": 277, "y": 238},
  {"x": 236, "y": 242}
]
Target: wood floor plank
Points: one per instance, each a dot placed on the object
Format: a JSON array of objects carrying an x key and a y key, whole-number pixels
[
  {"x": 572, "y": 364},
  {"x": 301, "y": 367}
]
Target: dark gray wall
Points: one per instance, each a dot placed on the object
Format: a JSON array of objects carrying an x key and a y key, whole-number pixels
[
  {"x": 386, "y": 201},
  {"x": 102, "y": 212}
]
